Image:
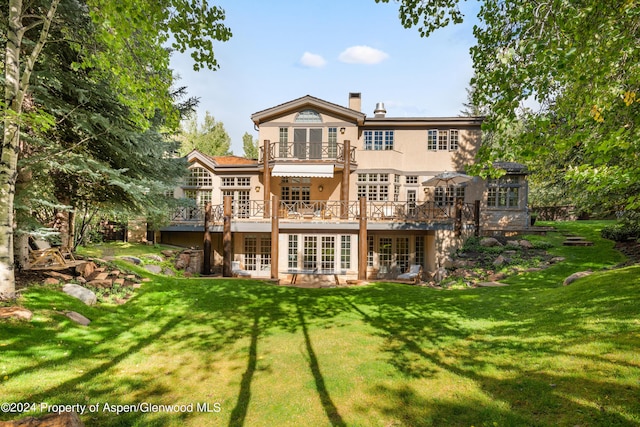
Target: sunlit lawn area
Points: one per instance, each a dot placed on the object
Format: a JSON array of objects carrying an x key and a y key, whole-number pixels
[{"x": 533, "y": 353}]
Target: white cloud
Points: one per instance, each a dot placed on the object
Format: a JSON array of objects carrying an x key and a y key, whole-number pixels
[
  {"x": 362, "y": 55},
  {"x": 312, "y": 60}
]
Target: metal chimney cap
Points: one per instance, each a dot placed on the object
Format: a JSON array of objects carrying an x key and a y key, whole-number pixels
[{"x": 380, "y": 111}]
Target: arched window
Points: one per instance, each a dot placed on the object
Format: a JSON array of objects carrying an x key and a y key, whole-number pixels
[
  {"x": 308, "y": 116},
  {"x": 199, "y": 177}
]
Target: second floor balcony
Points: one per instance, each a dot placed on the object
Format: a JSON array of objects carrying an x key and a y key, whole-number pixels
[{"x": 308, "y": 150}]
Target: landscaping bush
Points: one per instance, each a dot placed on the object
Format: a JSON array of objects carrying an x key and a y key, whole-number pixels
[{"x": 621, "y": 232}]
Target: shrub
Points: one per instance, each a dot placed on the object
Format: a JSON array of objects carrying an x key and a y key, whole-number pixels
[{"x": 621, "y": 232}]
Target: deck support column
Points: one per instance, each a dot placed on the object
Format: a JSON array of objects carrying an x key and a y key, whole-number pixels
[
  {"x": 362, "y": 241},
  {"x": 344, "y": 187},
  {"x": 266, "y": 177},
  {"x": 206, "y": 266},
  {"x": 275, "y": 236},
  {"x": 226, "y": 237}
]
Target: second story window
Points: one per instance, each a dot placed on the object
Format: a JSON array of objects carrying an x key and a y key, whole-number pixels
[
  {"x": 308, "y": 116},
  {"x": 411, "y": 179},
  {"x": 283, "y": 146},
  {"x": 442, "y": 140},
  {"x": 378, "y": 140},
  {"x": 199, "y": 177},
  {"x": 232, "y": 181}
]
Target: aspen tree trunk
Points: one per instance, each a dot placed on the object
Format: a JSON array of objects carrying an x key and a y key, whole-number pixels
[{"x": 16, "y": 86}]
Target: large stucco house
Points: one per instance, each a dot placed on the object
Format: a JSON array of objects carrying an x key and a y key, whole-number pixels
[{"x": 337, "y": 191}]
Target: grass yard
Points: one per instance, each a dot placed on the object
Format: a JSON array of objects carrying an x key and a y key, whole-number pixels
[{"x": 535, "y": 353}]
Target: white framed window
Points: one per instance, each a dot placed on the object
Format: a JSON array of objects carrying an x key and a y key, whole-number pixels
[
  {"x": 283, "y": 142},
  {"x": 257, "y": 253},
  {"x": 370, "y": 251},
  {"x": 419, "y": 253},
  {"x": 395, "y": 253},
  {"x": 443, "y": 140},
  {"x": 447, "y": 196},
  {"x": 295, "y": 189},
  {"x": 319, "y": 251},
  {"x": 332, "y": 148},
  {"x": 292, "y": 255},
  {"x": 432, "y": 139},
  {"x": 233, "y": 181},
  {"x": 454, "y": 142},
  {"x": 411, "y": 179},
  {"x": 199, "y": 177},
  {"x": 378, "y": 140},
  {"x": 200, "y": 197},
  {"x": 308, "y": 116},
  {"x": 373, "y": 186},
  {"x": 240, "y": 202},
  {"x": 345, "y": 252}
]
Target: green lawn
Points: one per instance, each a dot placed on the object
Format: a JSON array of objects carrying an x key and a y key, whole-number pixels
[{"x": 533, "y": 353}]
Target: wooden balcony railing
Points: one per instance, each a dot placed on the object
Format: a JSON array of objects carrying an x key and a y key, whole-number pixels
[
  {"x": 325, "y": 210},
  {"x": 332, "y": 151}
]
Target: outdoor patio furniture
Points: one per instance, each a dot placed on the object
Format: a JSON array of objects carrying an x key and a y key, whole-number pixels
[
  {"x": 413, "y": 275},
  {"x": 42, "y": 254},
  {"x": 236, "y": 271}
]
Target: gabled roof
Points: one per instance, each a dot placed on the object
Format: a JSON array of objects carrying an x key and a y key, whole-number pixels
[{"x": 304, "y": 102}]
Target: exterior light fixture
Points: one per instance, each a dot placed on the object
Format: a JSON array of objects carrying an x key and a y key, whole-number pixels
[
  {"x": 342, "y": 130},
  {"x": 320, "y": 188}
]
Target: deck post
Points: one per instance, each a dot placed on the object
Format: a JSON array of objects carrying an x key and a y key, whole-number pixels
[
  {"x": 206, "y": 267},
  {"x": 266, "y": 176},
  {"x": 362, "y": 241},
  {"x": 226, "y": 237},
  {"x": 344, "y": 187},
  {"x": 275, "y": 236}
]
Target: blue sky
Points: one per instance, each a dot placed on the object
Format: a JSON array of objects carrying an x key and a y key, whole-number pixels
[{"x": 281, "y": 50}]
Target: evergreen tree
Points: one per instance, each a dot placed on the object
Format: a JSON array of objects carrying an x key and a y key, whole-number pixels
[{"x": 131, "y": 36}]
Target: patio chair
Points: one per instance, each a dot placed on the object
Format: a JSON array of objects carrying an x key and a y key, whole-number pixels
[
  {"x": 42, "y": 254},
  {"x": 236, "y": 271},
  {"x": 413, "y": 275}
]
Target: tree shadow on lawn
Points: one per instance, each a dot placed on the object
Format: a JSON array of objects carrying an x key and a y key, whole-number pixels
[
  {"x": 426, "y": 332},
  {"x": 434, "y": 334}
]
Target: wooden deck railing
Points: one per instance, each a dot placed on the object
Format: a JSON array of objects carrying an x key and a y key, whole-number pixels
[{"x": 254, "y": 210}]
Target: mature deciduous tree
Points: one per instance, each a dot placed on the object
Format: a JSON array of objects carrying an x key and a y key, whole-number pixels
[
  {"x": 580, "y": 61},
  {"x": 209, "y": 138},
  {"x": 250, "y": 146}
]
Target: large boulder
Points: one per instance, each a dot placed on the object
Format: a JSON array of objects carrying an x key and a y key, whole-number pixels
[
  {"x": 15, "y": 313},
  {"x": 575, "y": 276},
  {"x": 131, "y": 259},
  {"x": 155, "y": 269},
  {"x": 78, "y": 318},
  {"x": 489, "y": 242},
  {"x": 83, "y": 294},
  {"x": 525, "y": 244}
]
